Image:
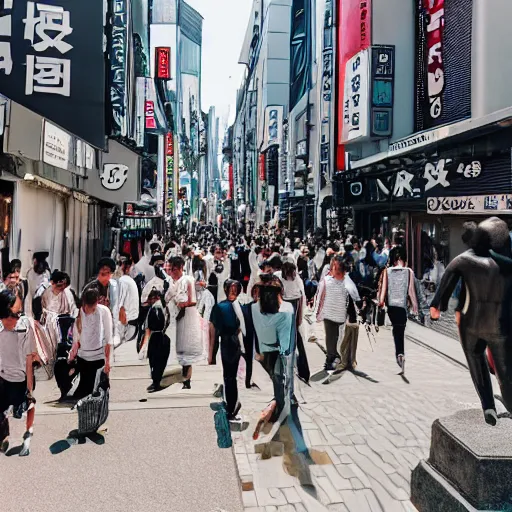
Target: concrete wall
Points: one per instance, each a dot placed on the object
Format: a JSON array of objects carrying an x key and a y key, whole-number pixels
[{"x": 491, "y": 63}]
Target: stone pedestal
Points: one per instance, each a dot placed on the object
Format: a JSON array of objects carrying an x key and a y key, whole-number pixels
[{"x": 469, "y": 468}]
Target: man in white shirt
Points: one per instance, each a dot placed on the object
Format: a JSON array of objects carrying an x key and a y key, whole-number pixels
[
  {"x": 92, "y": 341},
  {"x": 128, "y": 303}
]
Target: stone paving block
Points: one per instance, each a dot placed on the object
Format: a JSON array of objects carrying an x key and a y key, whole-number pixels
[
  {"x": 277, "y": 496},
  {"x": 286, "y": 508},
  {"x": 359, "y": 474},
  {"x": 400, "y": 481},
  {"x": 409, "y": 507},
  {"x": 346, "y": 459},
  {"x": 328, "y": 488},
  {"x": 272, "y": 508},
  {"x": 291, "y": 495},
  {"x": 376, "y": 459},
  {"x": 299, "y": 507},
  {"x": 357, "y": 439},
  {"x": 265, "y": 498},
  {"x": 372, "y": 501},
  {"x": 309, "y": 503},
  {"x": 317, "y": 470},
  {"x": 355, "y": 501},
  {"x": 337, "y": 507},
  {"x": 331, "y": 440},
  {"x": 316, "y": 438},
  {"x": 402, "y": 430},
  {"x": 379, "y": 443},
  {"x": 346, "y": 471},
  {"x": 270, "y": 473},
  {"x": 249, "y": 499},
  {"x": 356, "y": 484},
  {"x": 387, "y": 503},
  {"x": 255, "y": 509},
  {"x": 413, "y": 443},
  {"x": 336, "y": 479},
  {"x": 344, "y": 439}
]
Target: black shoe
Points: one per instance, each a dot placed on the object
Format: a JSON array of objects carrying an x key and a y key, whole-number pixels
[
  {"x": 154, "y": 389},
  {"x": 186, "y": 384},
  {"x": 234, "y": 415},
  {"x": 150, "y": 388}
]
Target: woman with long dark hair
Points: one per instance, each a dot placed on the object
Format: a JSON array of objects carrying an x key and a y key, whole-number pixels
[{"x": 293, "y": 292}]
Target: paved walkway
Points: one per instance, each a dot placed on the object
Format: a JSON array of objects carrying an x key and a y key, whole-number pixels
[{"x": 366, "y": 432}]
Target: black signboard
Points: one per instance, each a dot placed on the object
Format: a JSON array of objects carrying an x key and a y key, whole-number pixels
[
  {"x": 52, "y": 62},
  {"x": 437, "y": 177},
  {"x": 382, "y": 90}
]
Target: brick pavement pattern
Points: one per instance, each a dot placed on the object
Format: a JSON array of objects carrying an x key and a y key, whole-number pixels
[{"x": 370, "y": 430}]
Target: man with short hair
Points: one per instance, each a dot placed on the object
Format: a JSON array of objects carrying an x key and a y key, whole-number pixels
[{"x": 128, "y": 302}]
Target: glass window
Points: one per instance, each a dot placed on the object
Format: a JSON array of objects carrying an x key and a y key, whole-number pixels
[{"x": 190, "y": 57}]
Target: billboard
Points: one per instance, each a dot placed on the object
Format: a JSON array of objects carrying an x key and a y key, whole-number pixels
[
  {"x": 443, "y": 62},
  {"x": 48, "y": 53},
  {"x": 354, "y": 36}
]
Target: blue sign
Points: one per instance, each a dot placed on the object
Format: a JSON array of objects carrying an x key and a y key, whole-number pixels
[{"x": 382, "y": 88}]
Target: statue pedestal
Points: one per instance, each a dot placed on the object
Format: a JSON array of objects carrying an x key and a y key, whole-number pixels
[{"x": 469, "y": 468}]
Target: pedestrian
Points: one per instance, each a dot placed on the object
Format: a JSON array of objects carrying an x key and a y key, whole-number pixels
[
  {"x": 331, "y": 308},
  {"x": 92, "y": 341},
  {"x": 18, "y": 355},
  {"x": 157, "y": 341},
  {"x": 293, "y": 292},
  {"x": 396, "y": 291},
  {"x": 228, "y": 322},
  {"x": 274, "y": 326},
  {"x": 39, "y": 273},
  {"x": 184, "y": 319},
  {"x": 129, "y": 303},
  {"x": 251, "y": 346}
]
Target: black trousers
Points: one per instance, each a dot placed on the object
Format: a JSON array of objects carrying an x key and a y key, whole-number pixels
[
  {"x": 230, "y": 353},
  {"x": 398, "y": 318},
  {"x": 275, "y": 365},
  {"x": 302, "y": 357},
  {"x": 216, "y": 345},
  {"x": 87, "y": 371},
  {"x": 249, "y": 358},
  {"x": 332, "y": 335},
  {"x": 158, "y": 353}
]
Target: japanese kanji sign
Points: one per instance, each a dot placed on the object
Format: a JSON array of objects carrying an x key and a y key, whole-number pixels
[
  {"x": 356, "y": 106},
  {"x": 52, "y": 62}
]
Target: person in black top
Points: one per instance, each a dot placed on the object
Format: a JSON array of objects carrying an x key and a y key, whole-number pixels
[
  {"x": 159, "y": 346},
  {"x": 227, "y": 323}
]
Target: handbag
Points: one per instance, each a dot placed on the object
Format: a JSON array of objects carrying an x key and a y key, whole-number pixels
[
  {"x": 93, "y": 409},
  {"x": 381, "y": 317}
]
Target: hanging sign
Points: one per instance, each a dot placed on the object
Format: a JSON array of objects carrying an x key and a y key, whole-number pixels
[
  {"x": 150, "y": 115},
  {"x": 163, "y": 62},
  {"x": 484, "y": 205},
  {"x": 382, "y": 85},
  {"x": 355, "y": 103},
  {"x": 114, "y": 176}
]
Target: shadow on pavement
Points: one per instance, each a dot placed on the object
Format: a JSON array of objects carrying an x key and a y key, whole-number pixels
[
  {"x": 73, "y": 439},
  {"x": 363, "y": 375}
]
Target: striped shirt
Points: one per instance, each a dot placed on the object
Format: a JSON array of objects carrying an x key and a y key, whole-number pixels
[{"x": 336, "y": 300}]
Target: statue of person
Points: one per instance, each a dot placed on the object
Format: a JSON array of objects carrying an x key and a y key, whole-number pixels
[{"x": 486, "y": 316}]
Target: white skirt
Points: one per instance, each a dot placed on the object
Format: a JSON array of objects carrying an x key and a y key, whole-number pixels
[{"x": 189, "y": 339}]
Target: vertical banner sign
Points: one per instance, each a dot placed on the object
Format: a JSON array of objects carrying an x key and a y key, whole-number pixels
[
  {"x": 273, "y": 127},
  {"x": 48, "y": 53},
  {"x": 163, "y": 62},
  {"x": 170, "y": 172},
  {"x": 382, "y": 91},
  {"x": 326, "y": 102},
  {"x": 150, "y": 115},
  {"x": 119, "y": 67},
  {"x": 231, "y": 182},
  {"x": 355, "y": 108},
  {"x": 354, "y": 35},
  {"x": 261, "y": 167},
  {"x": 443, "y": 62}
]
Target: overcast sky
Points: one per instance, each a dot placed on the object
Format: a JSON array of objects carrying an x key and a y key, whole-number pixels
[{"x": 224, "y": 27}]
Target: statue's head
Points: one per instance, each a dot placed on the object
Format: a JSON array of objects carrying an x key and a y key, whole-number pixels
[{"x": 492, "y": 234}]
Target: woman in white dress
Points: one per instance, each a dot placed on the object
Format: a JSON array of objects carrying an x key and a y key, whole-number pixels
[{"x": 182, "y": 302}]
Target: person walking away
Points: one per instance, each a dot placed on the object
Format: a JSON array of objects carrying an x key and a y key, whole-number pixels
[
  {"x": 36, "y": 275},
  {"x": 18, "y": 355},
  {"x": 158, "y": 343},
  {"x": 331, "y": 308},
  {"x": 274, "y": 326},
  {"x": 129, "y": 304},
  {"x": 92, "y": 341},
  {"x": 397, "y": 289},
  {"x": 228, "y": 321},
  {"x": 293, "y": 292},
  {"x": 251, "y": 346},
  {"x": 184, "y": 319}
]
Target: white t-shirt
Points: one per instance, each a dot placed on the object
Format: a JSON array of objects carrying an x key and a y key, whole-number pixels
[
  {"x": 95, "y": 333},
  {"x": 15, "y": 346},
  {"x": 156, "y": 283},
  {"x": 129, "y": 297}
]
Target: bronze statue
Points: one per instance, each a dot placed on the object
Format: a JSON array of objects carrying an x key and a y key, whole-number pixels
[{"x": 486, "y": 316}]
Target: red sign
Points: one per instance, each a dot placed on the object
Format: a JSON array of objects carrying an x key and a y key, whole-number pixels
[
  {"x": 163, "y": 62},
  {"x": 231, "y": 183},
  {"x": 169, "y": 144},
  {"x": 261, "y": 167},
  {"x": 354, "y": 35},
  {"x": 435, "y": 30},
  {"x": 150, "y": 115}
]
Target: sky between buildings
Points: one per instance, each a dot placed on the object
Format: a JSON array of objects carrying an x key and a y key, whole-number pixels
[{"x": 224, "y": 27}]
